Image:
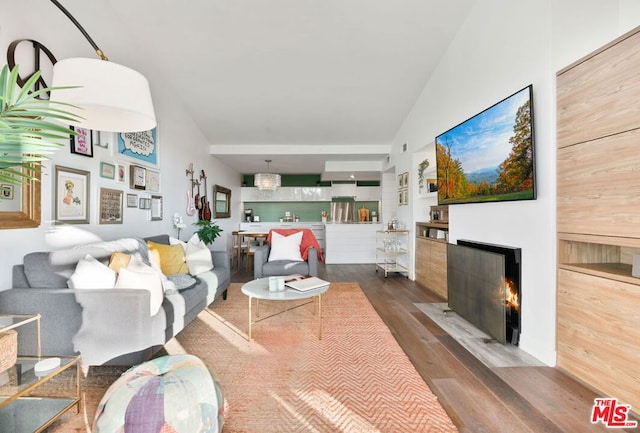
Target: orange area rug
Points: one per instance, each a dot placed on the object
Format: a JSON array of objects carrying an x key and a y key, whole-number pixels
[{"x": 356, "y": 379}]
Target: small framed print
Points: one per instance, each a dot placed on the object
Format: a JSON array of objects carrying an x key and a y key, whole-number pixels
[
  {"x": 400, "y": 198},
  {"x": 111, "y": 206},
  {"x": 152, "y": 181},
  {"x": 405, "y": 197},
  {"x": 156, "y": 207},
  {"x": 121, "y": 173},
  {"x": 137, "y": 177},
  {"x": 6, "y": 191},
  {"x": 145, "y": 203},
  {"x": 107, "y": 170},
  {"x": 132, "y": 200},
  {"x": 400, "y": 181},
  {"x": 405, "y": 180},
  {"x": 82, "y": 143}
]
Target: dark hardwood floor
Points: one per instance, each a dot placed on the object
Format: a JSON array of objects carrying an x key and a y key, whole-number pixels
[{"x": 476, "y": 397}]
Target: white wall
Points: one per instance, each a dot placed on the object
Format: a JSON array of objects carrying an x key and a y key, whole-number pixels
[
  {"x": 502, "y": 47},
  {"x": 180, "y": 143}
]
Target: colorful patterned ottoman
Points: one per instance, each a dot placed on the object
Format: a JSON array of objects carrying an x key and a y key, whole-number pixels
[{"x": 171, "y": 394}]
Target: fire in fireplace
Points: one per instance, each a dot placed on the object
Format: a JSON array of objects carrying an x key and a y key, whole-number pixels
[{"x": 484, "y": 287}]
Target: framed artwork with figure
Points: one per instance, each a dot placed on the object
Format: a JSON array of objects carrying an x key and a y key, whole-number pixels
[{"x": 71, "y": 195}]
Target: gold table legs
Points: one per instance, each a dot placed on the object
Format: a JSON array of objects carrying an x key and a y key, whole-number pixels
[{"x": 251, "y": 321}]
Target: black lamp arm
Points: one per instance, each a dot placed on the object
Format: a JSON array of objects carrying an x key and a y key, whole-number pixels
[{"x": 82, "y": 30}]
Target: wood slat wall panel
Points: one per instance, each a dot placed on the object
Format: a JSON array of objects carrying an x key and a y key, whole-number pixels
[
  {"x": 580, "y": 252},
  {"x": 598, "y": 219},
  {"x": 439, "y": 268},
  {"x": 431, "y": 265},
  {"x": 598, "y": 333},
  {"x": 597, "y": 91},
  {"x": 422, "y": 261},
  {"x": 599, "y": 186}
]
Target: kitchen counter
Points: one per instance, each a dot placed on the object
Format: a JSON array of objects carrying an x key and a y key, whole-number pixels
[
  {"x": 351, "y": 243},
  {"x": 353, "y": 222},
  {"x": 263, "y": 227},
  {"x": 343, "y": 243}
]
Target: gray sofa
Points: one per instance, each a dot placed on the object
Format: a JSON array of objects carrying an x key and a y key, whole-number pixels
[{"x": 105, "y": 326}]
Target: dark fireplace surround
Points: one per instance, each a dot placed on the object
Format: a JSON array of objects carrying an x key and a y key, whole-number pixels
[{"x": 484, "y": 287}]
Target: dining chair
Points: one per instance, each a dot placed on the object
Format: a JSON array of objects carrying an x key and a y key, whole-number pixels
[
  {"x": 238, "y": 248},
  {"x": 250, "y": 242}
]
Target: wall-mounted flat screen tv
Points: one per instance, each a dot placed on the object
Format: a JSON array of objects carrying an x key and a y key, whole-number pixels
[{"x": 489, "y": 157}]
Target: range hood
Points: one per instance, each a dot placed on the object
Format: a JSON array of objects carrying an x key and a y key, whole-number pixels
[{"x": 343, "y": 189}]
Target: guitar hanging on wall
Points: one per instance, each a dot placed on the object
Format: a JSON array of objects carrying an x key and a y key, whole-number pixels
[
  {"x": 191, "y": 209},
  {"x": 206, "y": 210}
]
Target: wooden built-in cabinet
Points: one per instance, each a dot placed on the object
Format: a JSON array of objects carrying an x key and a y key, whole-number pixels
[
  {"x": 431, "y": 255},
  {"x": 598, "y": 219}
]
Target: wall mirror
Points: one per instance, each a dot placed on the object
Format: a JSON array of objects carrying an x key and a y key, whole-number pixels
[
  {"x": 222, "y": 202},
  {"x": 20, "y": 204}
]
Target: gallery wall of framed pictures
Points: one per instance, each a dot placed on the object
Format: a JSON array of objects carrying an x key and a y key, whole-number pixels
[
  {"x": 128, "y": 177},
  {"x": 403, "y": 189}
]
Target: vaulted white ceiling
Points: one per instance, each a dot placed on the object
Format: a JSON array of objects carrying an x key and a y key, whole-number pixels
[{"x": 300, "y": 82}]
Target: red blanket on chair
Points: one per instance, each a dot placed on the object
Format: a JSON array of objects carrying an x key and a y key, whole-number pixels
[{"x": 308, "y": 240}]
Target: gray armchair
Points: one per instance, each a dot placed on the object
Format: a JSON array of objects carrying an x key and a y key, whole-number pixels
[{"x": 262, "y": 267}]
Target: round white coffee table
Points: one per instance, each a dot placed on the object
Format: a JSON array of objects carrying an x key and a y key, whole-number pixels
[{"x": 259, "y": 289}]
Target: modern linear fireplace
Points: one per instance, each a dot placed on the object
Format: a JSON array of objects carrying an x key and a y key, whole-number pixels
[{"x": 484, "y": 287}]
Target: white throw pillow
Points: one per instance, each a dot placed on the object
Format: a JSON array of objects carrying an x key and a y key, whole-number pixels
[
  {"x": 285, "y": 247},
  {"x": 140, "y": 276},
  {"x": 198, "y": 256},
  {"x": 91, "y": 274}
]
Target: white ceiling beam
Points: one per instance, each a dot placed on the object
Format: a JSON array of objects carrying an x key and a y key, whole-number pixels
[{"x": 286, "y": 149}]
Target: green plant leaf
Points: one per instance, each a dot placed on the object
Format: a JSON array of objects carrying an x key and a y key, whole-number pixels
[{"x": 30, "y": 128}]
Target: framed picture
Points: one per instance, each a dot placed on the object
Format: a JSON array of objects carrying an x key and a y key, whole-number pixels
[
  {"x": 140, "y": 146},
  {"x": 405, "y": 179},
  {"x": 107, "y": 170},
  {"x": 6, "y": 191},
  {"x": 132, "y": 200},
  {"x": 71, "y": 196},
  {"x": 81, "y": 144},
  {"x": 400, "y": 181},
  {"x": 405, "y": 197},
  {"x": 145, "y": 203},
  {"x": 152, "y": 181},
  {"x": 137, "y": 177},
  {"x": 110, "y": 206},
  {"x": 156, "y": 207},
  {"x": 400, "y": 198},
  {"x": 121, "y": 173}
]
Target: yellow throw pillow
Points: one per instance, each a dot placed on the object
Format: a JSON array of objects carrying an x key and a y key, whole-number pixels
[
  {"x": 172, "y": 258},
  {"x": 118, "y": 261}
]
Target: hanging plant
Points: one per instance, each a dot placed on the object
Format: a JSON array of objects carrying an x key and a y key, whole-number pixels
[{"x": 421, "y": 169}]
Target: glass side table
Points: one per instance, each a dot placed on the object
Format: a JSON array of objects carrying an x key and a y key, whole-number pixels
[
  {"x": 31, "y": 401},
  {"x": 12, "y": 321}
]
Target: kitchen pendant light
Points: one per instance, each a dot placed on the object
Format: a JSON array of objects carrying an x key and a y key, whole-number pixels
[{"x": 267, "y": 181}]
